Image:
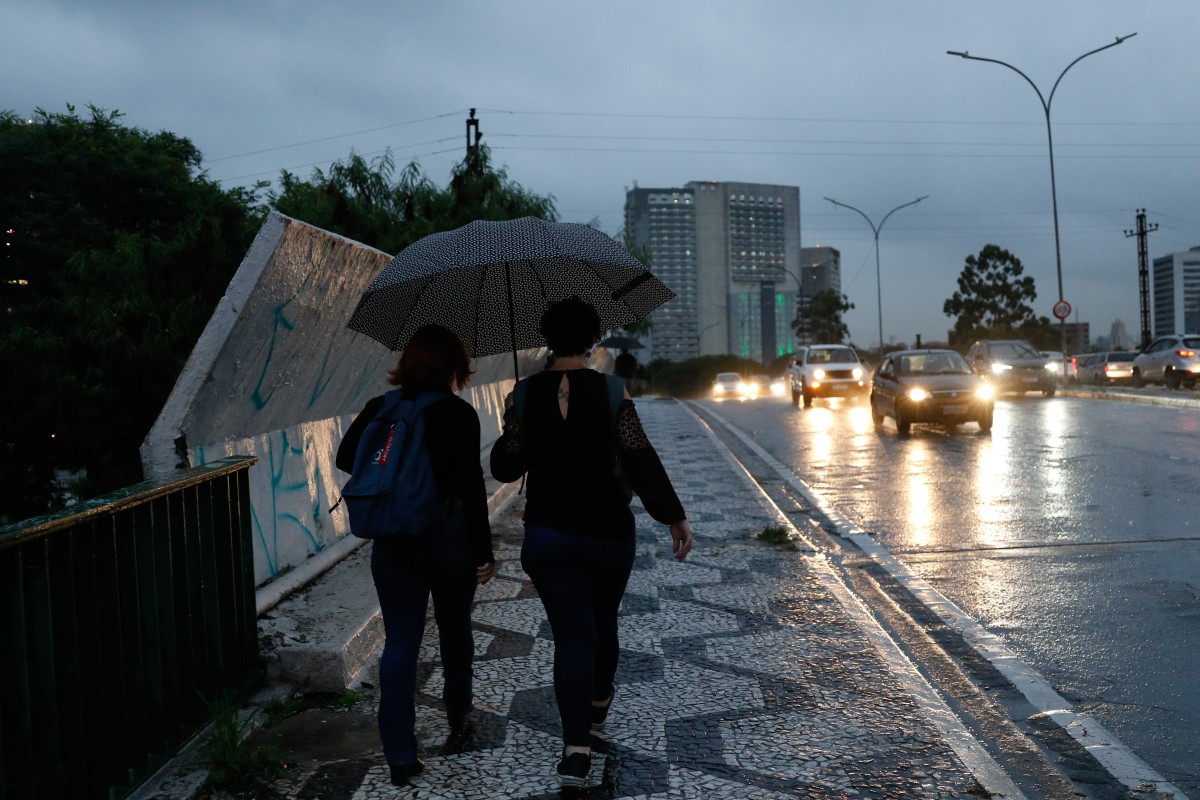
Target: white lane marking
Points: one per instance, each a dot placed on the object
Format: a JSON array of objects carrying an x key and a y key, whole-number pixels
[{"x": 972, "y": 753}]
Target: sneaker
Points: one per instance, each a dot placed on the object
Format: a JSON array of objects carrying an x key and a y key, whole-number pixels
[
  {"x": 402, "y": 772},
  {"x": 573, "y": 769},
  {"x": 600, "y": 713}
]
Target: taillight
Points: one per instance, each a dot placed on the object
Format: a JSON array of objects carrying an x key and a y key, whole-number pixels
[
  {"x": 1106, "y": 366},
  {"x": 1185, "y": 353}
]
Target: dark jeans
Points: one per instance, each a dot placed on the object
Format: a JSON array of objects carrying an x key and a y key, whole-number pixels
[
  {"x": 406, "y": 573},
  {"x": 581, "y": 580}
]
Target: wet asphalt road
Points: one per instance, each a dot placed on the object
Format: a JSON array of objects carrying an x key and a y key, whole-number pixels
[{"x": 1072, "y": 530}]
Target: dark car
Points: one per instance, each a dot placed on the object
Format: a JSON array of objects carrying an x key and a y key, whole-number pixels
[
  {"x": 936, "y": 386},
  {"x": 1012, "y": 365}
]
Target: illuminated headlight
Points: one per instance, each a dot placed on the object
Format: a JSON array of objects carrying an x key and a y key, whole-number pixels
[
  {"x": 857, "y": 373},
  {"x": 819, "y": 374},
  {"x": 718, "y": 388},
  {"x": 917, "y": 394},
  {"x": 985, "y": 392},
  {"x": 742, "y": 387},
  {"x": 777, "y": 388},
  {"x": 1000, "y": 368},
  {"x": 752, "y": 388},
  {"x": 1054, "y": 367}
]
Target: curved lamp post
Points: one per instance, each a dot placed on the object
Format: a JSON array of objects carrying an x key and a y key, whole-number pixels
[
  {"x": 875, "y": 229},
  {"x": 1046, "y": 101}
]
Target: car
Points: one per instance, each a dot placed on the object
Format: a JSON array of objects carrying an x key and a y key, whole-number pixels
[
  {"x": 727, "y": 384},
  {"x": 827, "y": 370},
  {"x": 755, "y": 386},
  {"x": 1013, "y": 365},
  {"x": 1058, "y": 361},
  {"x": 1172, "y": 360},
  {"x": 930, "y": 386},
  {"x": 1107, "y": 367}
]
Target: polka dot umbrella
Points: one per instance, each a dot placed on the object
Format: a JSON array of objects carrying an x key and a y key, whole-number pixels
[{"x": 489, "y": 282}]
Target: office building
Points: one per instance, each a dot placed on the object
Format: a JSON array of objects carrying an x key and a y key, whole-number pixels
[
  {"x": 1176, "y": 293},
  {"x": 731, "y": 252},
  {"x": 1119, "y": 338}
]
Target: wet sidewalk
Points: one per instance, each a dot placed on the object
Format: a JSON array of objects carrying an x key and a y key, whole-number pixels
[{"x": 748, "y": 671}]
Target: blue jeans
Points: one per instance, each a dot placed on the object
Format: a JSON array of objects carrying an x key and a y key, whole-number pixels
[
  {"x": 406, "y": 572},
  {"x": 581, "y": 580}
]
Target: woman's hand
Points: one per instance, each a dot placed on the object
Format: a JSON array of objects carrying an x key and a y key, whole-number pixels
[
  {"x": 484, "y": 572},
  {"x": 682, "y": 539}
]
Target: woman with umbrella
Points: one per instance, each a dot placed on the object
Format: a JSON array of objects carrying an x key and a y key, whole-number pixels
[
  {"x": 446, "y": 563},
  {"x": 581, "y": 460}
]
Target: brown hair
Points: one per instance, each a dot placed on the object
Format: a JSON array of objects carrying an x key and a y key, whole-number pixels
[{"x": 433, "y": 359}]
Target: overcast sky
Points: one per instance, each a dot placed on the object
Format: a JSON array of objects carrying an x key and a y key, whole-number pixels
[{"x": 857, "y": 101}]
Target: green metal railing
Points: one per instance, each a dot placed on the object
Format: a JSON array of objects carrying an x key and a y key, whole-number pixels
[{"x": 120, "y": 620}]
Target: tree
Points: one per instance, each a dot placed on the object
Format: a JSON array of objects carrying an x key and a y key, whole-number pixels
[
  {"x": 820, "y": 319},
  {"x": 993, "y": 299},
  {"x": 365, "y": 202},
  {"x": 117, "y": 248}
]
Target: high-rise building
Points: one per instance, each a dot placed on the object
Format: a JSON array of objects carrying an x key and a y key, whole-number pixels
[
  {"x": 1176, "y": 293},
  {"x": 1118, "y": 337},
  {"x": 731, "y": 252}
]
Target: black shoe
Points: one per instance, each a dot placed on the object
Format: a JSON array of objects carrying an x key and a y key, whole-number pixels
[
  {"x": 402, "y": 772},
  {"x": 573, "y": 769},
  {"x": 600, "y": 713},
  {"x": 459, "y": 738}
]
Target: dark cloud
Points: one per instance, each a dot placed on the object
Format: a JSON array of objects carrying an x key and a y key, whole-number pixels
[{"x": 854, "y": 100}]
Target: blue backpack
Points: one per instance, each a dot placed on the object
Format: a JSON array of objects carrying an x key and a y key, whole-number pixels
[{"x": 392, "y": 492}]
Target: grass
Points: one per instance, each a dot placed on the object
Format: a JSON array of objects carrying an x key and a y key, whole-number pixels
[
  {"x": 777, "y": 536},
  {"x": 232, "y": 761}
]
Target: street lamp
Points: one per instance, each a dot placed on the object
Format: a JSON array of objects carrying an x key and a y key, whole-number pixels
[
  {"x": 878, "y": 277},
  {"x": 1046, "y": 101}
]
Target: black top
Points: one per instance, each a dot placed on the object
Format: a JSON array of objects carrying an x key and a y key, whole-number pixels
[
  {"x": 452, "y": 439},
  {"x": 572, "y": 485}
]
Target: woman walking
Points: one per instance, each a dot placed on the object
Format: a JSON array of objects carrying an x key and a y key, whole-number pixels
[
  {"x": 446, "y": 563},
  {"x": 582, "y": 456}
]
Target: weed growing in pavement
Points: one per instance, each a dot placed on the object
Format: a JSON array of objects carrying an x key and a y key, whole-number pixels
[
  {"x": 347, "y": 699},
  {"x": 778, "y": 536},
  {"x": 231, "y": 760}
]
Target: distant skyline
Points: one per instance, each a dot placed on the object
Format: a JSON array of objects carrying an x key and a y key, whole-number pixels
[{"x": 857, "y": 101}]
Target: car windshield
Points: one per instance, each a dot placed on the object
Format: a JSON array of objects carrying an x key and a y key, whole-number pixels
[
  {"x": 1013, "y": 350},
  {"x": 831, "y": 355},
  {"x": 728, "y": 377},
  {"x": 1192, "y": 342},
  {"x": 1122, "y": 356},
  {"x": 933, "y": 364}
]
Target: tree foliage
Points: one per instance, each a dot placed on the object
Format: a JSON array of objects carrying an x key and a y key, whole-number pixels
[
  {"x": 367, "y": 202},
  {"x": 994, "y": 298},
  {"x": 820, "y": 319},
  {"x": 117, "y": 248}
]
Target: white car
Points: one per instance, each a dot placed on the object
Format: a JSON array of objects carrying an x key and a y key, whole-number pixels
[
  {"x": 728, "y": 384},
  {"x": 1173, "y": 361},
  {"x": 827, "y": 370}
]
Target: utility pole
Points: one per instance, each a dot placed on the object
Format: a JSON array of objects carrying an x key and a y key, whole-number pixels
[
  {"x": 1143, "y": 271},
  {"x": 472, "y": 123}
]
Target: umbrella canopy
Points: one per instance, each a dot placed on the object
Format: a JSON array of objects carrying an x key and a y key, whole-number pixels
[
  {"x": 490, "y": 282},
  {"x": 621, "y": 343}
]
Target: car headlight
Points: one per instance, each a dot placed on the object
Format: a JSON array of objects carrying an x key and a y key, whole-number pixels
[
  {"x": 985, "y": 392},
  {"x": 1054, "y": 367},
  {"x": 718, "y": 388},
  {"x": 999, "y": 368},
  {"x": 819, "y": 374},
  {"x": 741, "y": 387},
  {"x": 857, "y": 373},
  {"x": 917, "y": 394}
]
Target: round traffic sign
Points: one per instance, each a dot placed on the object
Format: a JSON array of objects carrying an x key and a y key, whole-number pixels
[{"x": 1062, "y": 309}]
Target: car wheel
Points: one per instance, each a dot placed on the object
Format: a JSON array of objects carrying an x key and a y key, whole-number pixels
[
  {"x": 985, "y": 422},
  {"x": 1137, "y": 379},
  {"x": 1171, "y": 379},
  {"x": 902, "y": 424},
  {"x": 1048, "y": 392},
  {"x": 808, "y": 398},
  {"x": 876, "y": 417}
]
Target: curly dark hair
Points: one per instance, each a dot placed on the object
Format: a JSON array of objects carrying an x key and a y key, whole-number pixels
[
  {"x": 434, "y": 358},
  {"x": 570, "y": 327}
]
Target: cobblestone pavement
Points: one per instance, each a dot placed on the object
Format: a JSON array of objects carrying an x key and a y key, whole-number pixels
[{"x": 742, "y": 675}]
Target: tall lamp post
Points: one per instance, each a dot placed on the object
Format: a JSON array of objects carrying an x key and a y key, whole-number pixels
[
  {"x": 1046, "y": 101},
  {"x": 878, "y": 276}
]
